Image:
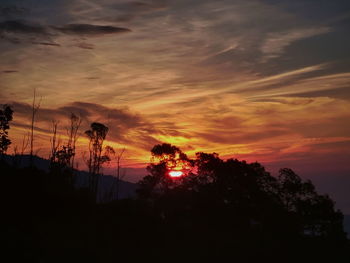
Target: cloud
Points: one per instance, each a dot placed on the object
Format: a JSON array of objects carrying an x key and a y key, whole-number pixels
[
  {"x": 46, "y": 44},
  {"x": 307, "y": 85},
  {"x": 342, "y": 93},
  {"x": 85, "y": 45},
  {"x": 89, "y": 111},
  {"x": 125, "y": 118},
  {"x": 125, "y": 126},
  {"x": 238, "y": 137},
  {"x": 9, "y": 71},
  {"x": 275, "y": 43},
  {"x": 19, "y": 31},
  {"x": 89, "y": 30},
  {"x": 20, "y": 27}
]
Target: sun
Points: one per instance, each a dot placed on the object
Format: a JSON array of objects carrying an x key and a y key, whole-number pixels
[{"x": 175, "y": 174}]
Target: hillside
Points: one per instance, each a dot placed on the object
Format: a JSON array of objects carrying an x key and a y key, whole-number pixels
[{"x": 107, "y": 189}]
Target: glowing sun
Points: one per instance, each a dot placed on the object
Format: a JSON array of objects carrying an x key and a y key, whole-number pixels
[{"x": 175, "y": 174}]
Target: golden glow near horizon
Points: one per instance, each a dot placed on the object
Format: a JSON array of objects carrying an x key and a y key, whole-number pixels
[{"x": 202, "y": 75}]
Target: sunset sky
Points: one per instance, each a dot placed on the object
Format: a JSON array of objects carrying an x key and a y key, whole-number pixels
[{"x": 265, "y": 80}]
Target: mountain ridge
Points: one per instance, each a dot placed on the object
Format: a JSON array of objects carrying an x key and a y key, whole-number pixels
[{"x": 107, "y": 189}]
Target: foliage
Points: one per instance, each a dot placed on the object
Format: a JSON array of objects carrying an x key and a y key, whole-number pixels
[
  {"x": 97, "y": 134},
  {"x": 244, "y": 193},
  {"x": 62, "y": 157},
  {"x": 164, "y": 158},
  {"x": 75, "y": 122},
  {"x": 5, "y": 118}
]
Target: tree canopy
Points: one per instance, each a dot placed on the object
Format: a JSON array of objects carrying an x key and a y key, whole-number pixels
[{"x": 240, "y": 193}]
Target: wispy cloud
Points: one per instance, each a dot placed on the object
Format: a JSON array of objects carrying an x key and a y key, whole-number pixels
[
  {"x": 276, "y": 42},
  {"x": 258, "y": 79},
  {"x": 89, "y": 30}
]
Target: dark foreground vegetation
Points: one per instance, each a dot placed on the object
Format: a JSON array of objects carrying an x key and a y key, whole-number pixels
[
  {"x": 221, "y": 210},
  {"x": 214, "y": 210}
]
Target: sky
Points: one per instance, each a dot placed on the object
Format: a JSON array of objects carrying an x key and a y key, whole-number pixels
[{"x": 264, "y": 81}]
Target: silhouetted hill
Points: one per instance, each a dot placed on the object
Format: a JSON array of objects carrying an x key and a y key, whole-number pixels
[
  {"x": 347, "y": 225},
  {"x": 107, "y": 190}
]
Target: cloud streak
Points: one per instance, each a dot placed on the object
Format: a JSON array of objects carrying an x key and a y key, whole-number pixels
[
  {"x": 90, "y": 30},
  {"x": 17, "y": 31},
  {"x": 258, "y": 80}
]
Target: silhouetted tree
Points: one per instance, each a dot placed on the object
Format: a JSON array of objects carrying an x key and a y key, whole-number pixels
[
  {"x": 35, "y": 108},
  {"x": 62, "y": 156},
  {"x": 75, "y": 122},
  {"x": 165, "y": 157},
  {"x": 55, "y": 142},
  {"x": 5, "y": 118},
  {"x": 245, "y": 194},
  {"x": 118, "y": 157},
  {"x": 316, "y": 212},
  {"x": 97, "y": 134}
]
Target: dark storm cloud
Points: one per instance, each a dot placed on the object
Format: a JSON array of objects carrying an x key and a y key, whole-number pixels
[{"x": 89, "y": 30}]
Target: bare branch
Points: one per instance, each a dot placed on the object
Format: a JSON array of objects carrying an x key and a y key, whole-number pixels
[{"x": 35, "y": 108}]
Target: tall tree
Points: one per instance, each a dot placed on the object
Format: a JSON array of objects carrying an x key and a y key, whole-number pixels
[
  {"x": 5, "y": 118},
  {"x": 35, "y": 108},
  {"x": 55, "y": 143},
  {"x": 62, "y": 156},
  {"x": 75, "y": 122},
  {"x": 97, "y": 134},
  {"x": 117, "y": 156}
]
